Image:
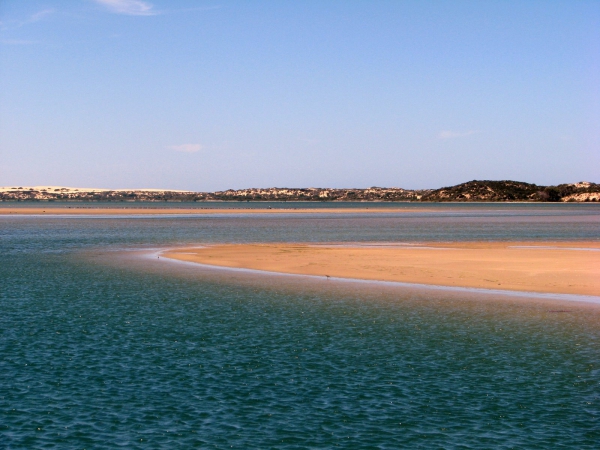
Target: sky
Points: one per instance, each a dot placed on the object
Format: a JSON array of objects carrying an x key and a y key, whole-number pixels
[{"x": 212, "y": 95}]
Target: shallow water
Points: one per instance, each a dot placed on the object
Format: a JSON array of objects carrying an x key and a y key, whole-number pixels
[
  {"x": 101, "y": 348},
  {"x": 528, "y": 208}
]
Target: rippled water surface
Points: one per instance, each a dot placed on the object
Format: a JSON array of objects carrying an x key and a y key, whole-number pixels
[{"x": 102, "y": 348}]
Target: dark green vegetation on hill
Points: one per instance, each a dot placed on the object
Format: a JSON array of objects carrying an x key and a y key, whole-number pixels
[
  {"x": 506, "y": 191},
  {"x": 472, "y": 191}
]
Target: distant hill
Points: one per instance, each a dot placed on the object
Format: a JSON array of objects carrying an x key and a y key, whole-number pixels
[
  {"x": 513, "y": 191},
  {"x": 487, "y": 191},
  {"x": 472, "y": 191}
]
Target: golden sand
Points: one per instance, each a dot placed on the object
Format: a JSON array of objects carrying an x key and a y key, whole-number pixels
[{"x": 550, "y": 267}]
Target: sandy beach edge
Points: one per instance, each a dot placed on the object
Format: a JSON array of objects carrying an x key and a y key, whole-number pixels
[
  {"x": 547, "y": 268},
  {"x": 587, "y": 299}
]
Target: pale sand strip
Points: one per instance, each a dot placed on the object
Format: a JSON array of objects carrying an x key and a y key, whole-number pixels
[
  {"x": 515, "y": 266},
  {"x": 126, "y": 211}
]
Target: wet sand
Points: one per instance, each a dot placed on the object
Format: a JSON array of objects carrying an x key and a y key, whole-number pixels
[
  {"x": 179, "y": 211},
  {"x": 545, "y": 267}
]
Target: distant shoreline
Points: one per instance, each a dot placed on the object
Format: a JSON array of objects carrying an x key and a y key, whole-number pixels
[
  {"x": 472, "y": 191},
  {"x": 386, "y": 202}
]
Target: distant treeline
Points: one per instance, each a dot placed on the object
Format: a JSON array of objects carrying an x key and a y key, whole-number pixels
[{"x": 472, "y": 191}]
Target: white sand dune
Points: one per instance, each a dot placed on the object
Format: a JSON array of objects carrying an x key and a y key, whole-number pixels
[{"x": 71, "y": 190}]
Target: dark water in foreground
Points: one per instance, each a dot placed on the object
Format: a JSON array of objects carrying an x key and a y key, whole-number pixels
[{"x": 103, "y": 349}]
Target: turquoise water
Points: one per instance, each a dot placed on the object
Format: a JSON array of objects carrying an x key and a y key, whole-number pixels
[{"x": 102, "y": 347}]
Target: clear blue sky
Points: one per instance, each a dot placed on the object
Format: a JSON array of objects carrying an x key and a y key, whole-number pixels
[{"x": 208, "y": 95}]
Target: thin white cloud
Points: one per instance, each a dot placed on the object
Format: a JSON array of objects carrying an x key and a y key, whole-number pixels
[
  {"x": 446, "y": 134},
  {"x": 186, "y": 148},
  {"x": 40, "y": 15},
  {"x": 36, "y": 17},
  {"x": 129, "y": 7}
]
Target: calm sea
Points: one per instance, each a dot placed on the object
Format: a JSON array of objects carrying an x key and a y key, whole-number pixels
[{"x": 102, "y": 346}]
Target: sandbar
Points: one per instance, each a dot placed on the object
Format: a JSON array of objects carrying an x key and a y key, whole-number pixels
[
  {"x": 111, "y": 211},
  {"x": 544, "y": 267}
]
